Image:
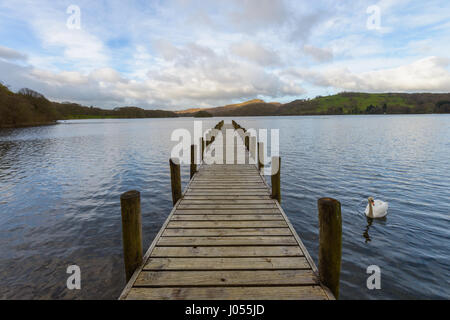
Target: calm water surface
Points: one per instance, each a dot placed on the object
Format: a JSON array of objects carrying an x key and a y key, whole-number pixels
[{"x": 60, "y": 187}]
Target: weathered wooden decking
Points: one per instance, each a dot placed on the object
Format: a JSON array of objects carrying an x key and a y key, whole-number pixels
[{"x": 227, "y": 239}]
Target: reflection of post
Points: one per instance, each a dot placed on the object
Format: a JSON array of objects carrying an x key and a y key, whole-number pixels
[
  {"x": 193, "y": 160},
  {"x": 276, "y": 187},
  {"x": 175, "y": 179},
  {"x": 202, "y": 142},
  {"x": 130, "y": 203},
  {"x": 330, "y": 243},
  {"x": 366, "y": 234}
]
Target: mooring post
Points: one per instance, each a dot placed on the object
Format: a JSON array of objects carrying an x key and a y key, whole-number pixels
[
  {"x": 253, "y": 146},
  {"x": 130, "y": 203},
  {"x": 330, "y": 243},
  {"x": 175, "y": 179},
  {"x": 202, "y": 142},
  {"x": 193, "y": 160},
  {"x": 260, "y": 156},
  {"x": 276, "y": 187}
]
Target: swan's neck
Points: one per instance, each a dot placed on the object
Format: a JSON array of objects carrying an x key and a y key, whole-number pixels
[{"x": 370, "y": 210}]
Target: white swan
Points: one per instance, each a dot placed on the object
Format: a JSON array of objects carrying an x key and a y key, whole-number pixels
[{"x": 376, "y": 208}]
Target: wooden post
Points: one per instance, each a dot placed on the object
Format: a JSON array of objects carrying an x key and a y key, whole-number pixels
[
  {"x": 130, "y": 203},
  {"x": 253, "y": 146},
  {"x": 330, "y": 243},
  {"x": 276, "y": 187},
  {"x": 175, "y": 179},
  {"x": 261, "y": 156},
  {"x": 193, "y": 160},
  {"x": 202, "y": 146}
]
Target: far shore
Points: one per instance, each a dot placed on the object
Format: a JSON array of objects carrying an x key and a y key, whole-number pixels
[{"x": 36, "y": 124}]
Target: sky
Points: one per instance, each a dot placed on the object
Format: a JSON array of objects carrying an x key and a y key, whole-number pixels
[{"x": 178, "y": 54}]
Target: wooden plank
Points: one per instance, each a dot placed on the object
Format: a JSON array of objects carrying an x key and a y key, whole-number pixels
[
  {"x": 216, "y": 232},
  {"x": 226, "y": 217},
  {"x": 243, "y": 173},
  {"x": 252, "y": 263},
  {"x": 226, "y": 201},
  {"x": 225, "y": 224},
  {"x": 225, "y": 278},
  {"x": 227, "y": 179},
  {"x": 222, "y": 197},
  {"x": 236, "y": 191},
  {"x": 228, "y": 187},
  {"x": 244, "y": 251},
  {"x": 226, "y": 241},
  {"x": 229, "y": 212},
  {"x": 229, "y": 293},
  {"x": 224, "y": 206},
  {"x": 216, "y": 192}
]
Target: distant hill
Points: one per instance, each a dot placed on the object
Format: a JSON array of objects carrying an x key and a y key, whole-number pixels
[
  {"x": 342, "y": 103},
  {"x": 370, "y": 103},
  {"x": 190, "y": 111},
  {"x": 202, "y": 114},
  {"x": 255, "y": 107},
  {"x": 28, "y": 107}
]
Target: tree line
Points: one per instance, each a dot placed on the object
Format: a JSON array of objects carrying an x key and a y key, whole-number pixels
[{"x": 28, "y": 107}]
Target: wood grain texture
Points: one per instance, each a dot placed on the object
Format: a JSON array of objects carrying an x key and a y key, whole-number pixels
[
  {"x": 225, "y": 278},
  {"x": 227, "y": 217},
  {"x": 227, "y": 241},
  {"x": 229, "y": 293},
  {"x": 230, "y": 232},
  {"x": 244, "y": 251},
  {"x": 265, "y": 263}
]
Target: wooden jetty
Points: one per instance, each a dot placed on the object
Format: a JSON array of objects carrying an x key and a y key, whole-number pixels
[{"x": 227, "y": 237}]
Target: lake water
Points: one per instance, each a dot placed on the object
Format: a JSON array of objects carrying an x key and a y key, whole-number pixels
[{"x": 60, "y": 187}]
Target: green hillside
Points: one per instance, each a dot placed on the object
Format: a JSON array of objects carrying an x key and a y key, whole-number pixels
[
  {"x": 28, "y": 107},
  {"x": 370, "y": 103},
  {"x": 342, "y": 103}
]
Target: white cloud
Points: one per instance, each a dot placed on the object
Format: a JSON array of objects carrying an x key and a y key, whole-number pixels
[
  {"x": 255, "y": 52},
  {"x": 318, "y": 54},
  {"x": 78, "y": 45},
  {"x": 425, "y": 75},
  {"x": 10, "y": 54},
  {"x": 183, "y": 53},
  {"x": 254, "y": 14},
  {"x": 106, "y": 75},
  {"x": 59, "y": 79}
]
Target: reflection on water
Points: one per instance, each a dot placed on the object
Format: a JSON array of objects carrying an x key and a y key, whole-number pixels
[
  {"x": 366, "y": 231},
  {"x": 60, "y": 188},
  {"x": 366, "y": 235}
]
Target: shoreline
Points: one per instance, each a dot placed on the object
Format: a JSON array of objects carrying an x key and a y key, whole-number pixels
[
  {"x": 38, "y": 124},
  {"x": 25, "y": 125}
]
